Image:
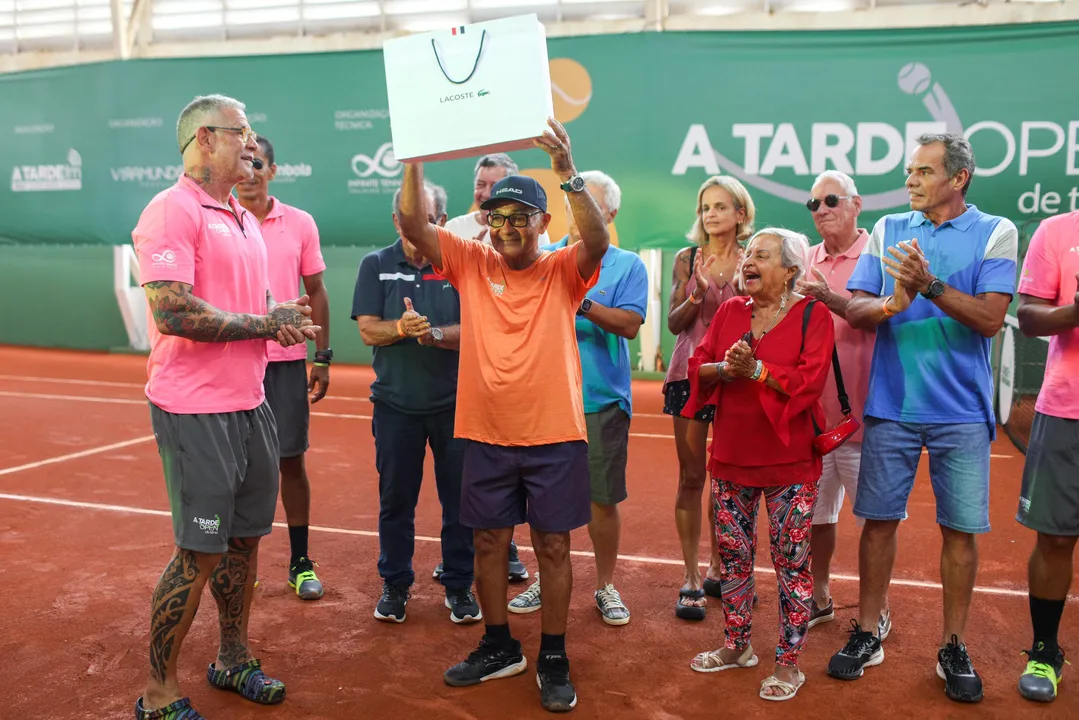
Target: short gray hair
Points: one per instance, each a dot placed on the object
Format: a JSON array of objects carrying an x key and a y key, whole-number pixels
[
  {"x": 612, "y": 194},
  {"x": 845, "y": 181},
  {"x": 795, "y": 249},
  {"x": 501, "y": 160},
  {"x": 194, "y": 115},
  {"x": 437, "y": 193},
  {"x": 958, "y": 154}
]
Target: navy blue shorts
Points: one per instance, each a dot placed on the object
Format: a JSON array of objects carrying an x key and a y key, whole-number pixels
[{"x": 546, "y": 486}]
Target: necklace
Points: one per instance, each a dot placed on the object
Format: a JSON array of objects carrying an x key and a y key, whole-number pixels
[{"x": 775, "y": 318}]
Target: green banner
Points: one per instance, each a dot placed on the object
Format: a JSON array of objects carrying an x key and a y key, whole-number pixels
[{"x": 83, "y": 149}]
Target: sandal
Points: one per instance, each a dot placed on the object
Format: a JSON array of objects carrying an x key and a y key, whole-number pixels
[
  {"x": 179, "y": 710},
  {"x": 707, "y": 662},
  {"x": 789, "y": 690},
  {"x": 690, "y": 612},
  {"x": 713, "y": 587},
  {"x": 248, "y": 680}
]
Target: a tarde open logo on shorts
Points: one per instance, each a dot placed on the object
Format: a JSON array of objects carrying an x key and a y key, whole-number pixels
[{"x": 210, "y": 527}]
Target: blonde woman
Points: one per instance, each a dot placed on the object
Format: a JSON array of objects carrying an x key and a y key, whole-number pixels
[{"x": 704, "y": 278}]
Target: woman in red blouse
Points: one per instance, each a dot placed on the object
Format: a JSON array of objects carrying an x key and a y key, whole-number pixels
[{"x": 766, "y": 380}]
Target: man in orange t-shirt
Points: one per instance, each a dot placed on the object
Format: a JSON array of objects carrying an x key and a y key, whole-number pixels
[{"x": 520, "y": 404}]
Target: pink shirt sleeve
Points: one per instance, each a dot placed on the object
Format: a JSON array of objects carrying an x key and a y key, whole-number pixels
[
  {"x": 166, "y": 239},
  {"x": 1041, "y": 270},
  {"x": 311, "y": 260}
]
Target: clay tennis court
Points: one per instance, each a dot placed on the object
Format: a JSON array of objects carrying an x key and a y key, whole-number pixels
[{"x": 85, "y": 533}]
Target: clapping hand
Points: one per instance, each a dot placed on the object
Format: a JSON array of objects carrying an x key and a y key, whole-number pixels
[
  {"x": 817, "y": 288},
  {"x": 907, "y": 265},
  {"x": 412, "y": 324},
  {"x": 293, "y": 320},
  {"x": 740, "y": 360},
  {"x": 700, "y": 273}
]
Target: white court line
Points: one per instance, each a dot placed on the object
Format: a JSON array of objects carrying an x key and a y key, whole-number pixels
[
  {"x": 121, "y": 401},
  {"x": 72, "y": 381},
  {"x": 921, "y": 584},
  {"x": 75, "y": 455}
]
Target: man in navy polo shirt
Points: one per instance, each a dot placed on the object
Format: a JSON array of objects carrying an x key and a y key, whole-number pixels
[
  {"x": 610, "y": 315},
  {"x": 935, "y": 283},
  {"x": 410, "y": 315}
]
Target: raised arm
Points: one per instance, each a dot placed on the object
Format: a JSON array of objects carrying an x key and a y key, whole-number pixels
[
  {"x": 595, "y": 239},
  {"x": 415, "y": 225},
  {"x": 178, "y": 312}
]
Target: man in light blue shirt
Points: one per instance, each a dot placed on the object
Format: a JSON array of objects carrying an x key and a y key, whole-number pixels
[
  {"x": 935, "y": 284},
  {"x": 610, "y": 315}
]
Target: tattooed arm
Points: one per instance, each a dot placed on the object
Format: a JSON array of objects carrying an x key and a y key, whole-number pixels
[{"x": 177, "y": 311}]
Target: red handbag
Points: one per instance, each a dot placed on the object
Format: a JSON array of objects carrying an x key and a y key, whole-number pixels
[{"x": 827, "y": 441}]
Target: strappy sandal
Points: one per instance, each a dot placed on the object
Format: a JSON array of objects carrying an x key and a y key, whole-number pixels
[
  {"x": 690, "y": 612},
  {"x": 709, "y": 662},
  {"x": 248, "y": 680},
  {"x": 788, "y": 689}
]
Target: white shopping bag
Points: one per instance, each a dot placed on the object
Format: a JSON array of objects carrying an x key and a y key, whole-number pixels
[{"x": 468, "y": 90}]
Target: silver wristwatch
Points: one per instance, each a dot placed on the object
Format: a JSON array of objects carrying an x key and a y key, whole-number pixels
[{"x": 437, "y": 334}]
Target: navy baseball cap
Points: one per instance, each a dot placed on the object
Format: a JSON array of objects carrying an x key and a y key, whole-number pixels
[{"x": 518, "y": 188}]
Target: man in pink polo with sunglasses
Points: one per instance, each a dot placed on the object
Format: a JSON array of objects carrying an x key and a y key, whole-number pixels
[{"x": 203, "y": 265}]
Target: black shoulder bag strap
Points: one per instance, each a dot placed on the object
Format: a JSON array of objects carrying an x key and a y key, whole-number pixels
[{"x": 842, "y": 391}]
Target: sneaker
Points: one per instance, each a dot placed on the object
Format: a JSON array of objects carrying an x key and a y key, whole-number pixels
[
  {"x": 609, "y": 604},
  {"x": 391, "y": 606},
  {"x": 1040, "y": 680},
  {"x": 463, "y": 606},
  {"x": 302, "y": 579},
  {"x": 862, "y": 650},
  {"x": 884, "y": 625},
  {"x": 552, "y": 677},
  {"x": 961, "y": 681},
  {"x": 438, "y": 572},
  {"x": 528, "y": 601},
  {"x": 818, "y": 615},
  {"x": 489, "y": 661},
  {"x": 517, "y": 569}
]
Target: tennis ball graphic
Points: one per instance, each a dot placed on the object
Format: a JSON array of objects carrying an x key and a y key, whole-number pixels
[
  {"x": 571, "y": 89},
  {"x": 914, "y": 78}
]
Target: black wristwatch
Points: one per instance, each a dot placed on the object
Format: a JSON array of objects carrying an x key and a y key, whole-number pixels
[
  {"x": 935, "y": 290},
  {"x": 586, "y": 305},
  {"x": 574, "y": 184},
  {"x": 324, "y": 357}
]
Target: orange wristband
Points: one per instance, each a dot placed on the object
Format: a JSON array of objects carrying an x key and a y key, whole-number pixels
[
  {"x": 764, "y": 373},
  {"x": 399, "y": 330},
  {"x": 884, "y": 309}
]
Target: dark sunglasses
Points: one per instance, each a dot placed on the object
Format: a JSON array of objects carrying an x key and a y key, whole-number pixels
[{"x": 829, "y": 200}]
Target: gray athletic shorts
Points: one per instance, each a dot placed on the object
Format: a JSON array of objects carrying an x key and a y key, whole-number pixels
[
  {"x": 1049, "y": 500},
  {"x": 608, "y": 447},
  {"x": 221, "y": 472},
  {"x": 286, "y": 391}
]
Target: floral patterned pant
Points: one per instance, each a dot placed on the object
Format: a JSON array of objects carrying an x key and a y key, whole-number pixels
[{"x": 790, "y": 516}]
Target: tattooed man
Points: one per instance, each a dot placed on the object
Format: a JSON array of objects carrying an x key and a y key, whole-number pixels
[{"x": 204, "y": 268}]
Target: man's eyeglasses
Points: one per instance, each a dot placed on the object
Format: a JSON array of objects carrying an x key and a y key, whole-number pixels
[
  {"x": 830, "y": 200},
  {"x": 516, "y": 219},
  {"x": 245, "y": 134}
]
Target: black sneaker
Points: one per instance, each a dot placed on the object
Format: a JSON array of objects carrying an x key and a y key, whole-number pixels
[
  {"x": 552, "y": 676},
  {"x": 391, "y": 606},
  {"x": 961, "y": 681},
  {"x": 489, "y": 661},
  {"x": 863, "y": 649},
  {"x": 463, "y": 606},
  {"x": 517, "y": 570}
]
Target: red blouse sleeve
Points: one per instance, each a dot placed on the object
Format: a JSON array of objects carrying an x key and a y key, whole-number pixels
[
  {"x": 708, "y": 351},
  {"x": 805, "y": 381}
]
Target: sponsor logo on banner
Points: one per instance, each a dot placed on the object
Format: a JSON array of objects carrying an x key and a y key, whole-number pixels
[
  {"x": 39, "y": 129},
  {"x": 350, "y": 120},
  {"x": 46, "y": 178},
  {"x": 290, "y": 173},
  {"x": 376, "y": 175},
  {"x": 874, "y": 148},
  {"x": 133, "y": 123},
  {"x": 151, "y": 176}
]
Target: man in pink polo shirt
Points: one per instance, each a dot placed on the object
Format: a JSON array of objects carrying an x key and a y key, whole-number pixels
[
  {"x": 1049, "y": 500},
  {"x": 292, "y": 247},
  {"x": 203, "y": 265},
  {"x": 835, "y": 205}
]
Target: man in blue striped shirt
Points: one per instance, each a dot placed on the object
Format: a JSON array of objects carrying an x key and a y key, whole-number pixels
[{"x": 935, "y": 283}]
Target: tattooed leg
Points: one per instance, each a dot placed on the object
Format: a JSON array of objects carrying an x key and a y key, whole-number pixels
[
  {"x": 232, "y": 586},
  {"x": 175, "y": 602}
]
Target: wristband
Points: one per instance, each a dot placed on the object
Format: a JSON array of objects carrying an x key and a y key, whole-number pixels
[
  {"x": 764, "y": 374},
  {"x": 884, "y": 308},
  {"x": 693, "y": 299},
  {"x": 722, "y": 368},
  {"x": 399, "y": 330},
  {"x": 757, "y": 373},
  {"x": 321, "y": 364}
]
